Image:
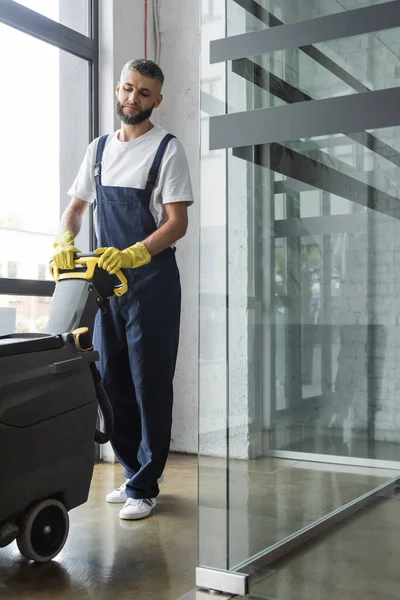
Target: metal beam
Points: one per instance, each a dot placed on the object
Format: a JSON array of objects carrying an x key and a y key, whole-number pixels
[
  {"x": 363, "y": 138},
  {"x": 325, "y": 225},
  {"x": 29, "y": 21},
  {"x": 287, "y": 92},
  {"x": 258, "y": 11},
  {"x": 345, "y": 114},
  {"x": 331, "y": 27},
  {"x": 257, "y": 75},
  {"x": 291, "y": 186},
  {"x": 288, "y": 162},
  {"x": 269, "y": 19}
]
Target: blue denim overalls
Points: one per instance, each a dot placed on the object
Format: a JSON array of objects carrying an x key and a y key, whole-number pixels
[{"x": 138, "y": 335}]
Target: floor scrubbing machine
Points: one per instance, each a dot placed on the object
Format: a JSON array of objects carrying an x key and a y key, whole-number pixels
[{"x": 50, "y": 398}]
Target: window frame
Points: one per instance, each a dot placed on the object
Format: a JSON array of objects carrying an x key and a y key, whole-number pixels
[{"x": 30, "y": 22}]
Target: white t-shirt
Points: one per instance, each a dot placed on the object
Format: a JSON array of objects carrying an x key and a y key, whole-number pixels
[{"x": 127, "y": 164}]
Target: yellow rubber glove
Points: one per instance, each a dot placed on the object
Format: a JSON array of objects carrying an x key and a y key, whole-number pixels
[
  {"x": 112, "y": 259},
  {"x": 65, "y": 250}
]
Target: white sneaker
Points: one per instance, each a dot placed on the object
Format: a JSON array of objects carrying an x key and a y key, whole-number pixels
[
  {"x": 119, "y": 496},
  {"x": 137, "y": 508}
]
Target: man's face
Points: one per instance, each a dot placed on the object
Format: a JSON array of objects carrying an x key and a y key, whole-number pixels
[{"x": 137, "y": 96}]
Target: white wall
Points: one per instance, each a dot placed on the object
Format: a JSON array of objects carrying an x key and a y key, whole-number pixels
[
  {"x": 122, "y": 39},
  {"x": 179, "y": 113},
  {"x": 213, "y": 371}
]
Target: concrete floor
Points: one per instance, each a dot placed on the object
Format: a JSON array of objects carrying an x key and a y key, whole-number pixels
[
  {"x": 358, "y": 560},
  {"x": 109, "y": 559},
  {"x": 270, "y": 499}
]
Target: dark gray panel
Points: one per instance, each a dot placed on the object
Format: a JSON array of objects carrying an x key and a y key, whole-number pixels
[
  {"x": 47, "y": 30},
  {"x": 345, "y": 114},
  {"x": 332, "y": 27},
  {"x": 26, "y": 287}
]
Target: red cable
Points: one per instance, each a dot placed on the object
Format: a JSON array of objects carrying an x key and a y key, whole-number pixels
[{"x": 145, "y": 28}]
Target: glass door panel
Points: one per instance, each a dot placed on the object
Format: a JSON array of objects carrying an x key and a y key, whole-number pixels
[{"x": 299, "y": 333}]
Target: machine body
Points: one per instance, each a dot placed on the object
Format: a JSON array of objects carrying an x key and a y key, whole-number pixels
[{"x": 50, "y": 394}]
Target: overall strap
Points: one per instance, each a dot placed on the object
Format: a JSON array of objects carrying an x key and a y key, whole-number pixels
[
  {"x": 99, "y": 157},
  {"x": 155, "y": 167}
]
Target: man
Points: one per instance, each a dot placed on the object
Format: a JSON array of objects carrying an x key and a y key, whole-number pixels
[{"x": 139, "y": 177}]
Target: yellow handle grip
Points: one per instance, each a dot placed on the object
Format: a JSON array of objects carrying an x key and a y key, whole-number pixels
[
  {"x": 91, "y": 263},
  {"x": 120, "y": 290}
]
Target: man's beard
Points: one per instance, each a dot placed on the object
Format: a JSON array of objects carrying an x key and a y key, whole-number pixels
[{"x": 143, "y": 115}]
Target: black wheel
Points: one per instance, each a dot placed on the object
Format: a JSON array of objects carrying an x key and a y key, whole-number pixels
[{"x": 44, "y": 531}]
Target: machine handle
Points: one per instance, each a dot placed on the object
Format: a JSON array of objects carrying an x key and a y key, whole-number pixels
[
  {"x": 86, "y": 255},
  {"x": 90, "y": 261}
]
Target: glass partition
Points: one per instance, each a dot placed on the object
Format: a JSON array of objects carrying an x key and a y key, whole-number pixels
[
  {"x": 299, "y": 331},
  {"x": 213, "y": 371}
]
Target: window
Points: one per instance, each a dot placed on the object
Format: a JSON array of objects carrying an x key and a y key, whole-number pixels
[
  {"x": 72, "y": 14},
  {"x": 46, "y": 163},
  {"x": 205, "y": 137},
  {"x": 12, "y": 269},
  {"x": 60, "y": 38},
  {"x": 210, "y": 10},
  {"x": 23, "y": 314},
  {"x": 42, "y": 272},
  {"x": 211, "y": 87}
]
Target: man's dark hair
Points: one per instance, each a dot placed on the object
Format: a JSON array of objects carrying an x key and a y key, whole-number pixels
[{"x": 145, "y": 67}]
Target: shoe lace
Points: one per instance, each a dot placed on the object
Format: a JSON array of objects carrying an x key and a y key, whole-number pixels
[
  {"x": 139, "y": 502},
  {"x": 134, "y": 502}
]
